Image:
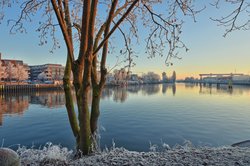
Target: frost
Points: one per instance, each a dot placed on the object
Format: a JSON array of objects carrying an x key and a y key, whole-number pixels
[
  {"x": 166, "y": 146},
  {"x": 47, "y": 153},
  {"x": 152, "y": 147},
  {"x": 179, "y": 155}
]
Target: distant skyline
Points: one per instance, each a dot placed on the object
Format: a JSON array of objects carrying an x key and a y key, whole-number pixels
[{"x": 209, "y": 51}]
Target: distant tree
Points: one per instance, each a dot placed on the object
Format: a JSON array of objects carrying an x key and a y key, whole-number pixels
[
  {"x": 11, "y": 72},
  {"x": 42, "y": 76},
  {"x": 22, "y": 73},
  {"x": 120, "y": 75},
  {"x": 151, "y": 77},
  {"x": 87, "y": 33},
  {"x": 174, "y": 77},
  {"x": 3, "y": 74}
]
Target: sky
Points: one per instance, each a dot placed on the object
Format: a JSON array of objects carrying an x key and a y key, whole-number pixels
[{"x": 209, "y": 51}]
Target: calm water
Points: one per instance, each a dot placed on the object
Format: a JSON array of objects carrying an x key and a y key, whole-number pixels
[{"x": 133, "y": 117}]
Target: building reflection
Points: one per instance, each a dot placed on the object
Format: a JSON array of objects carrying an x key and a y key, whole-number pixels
[
  {"x": 222, "y": 89},
  {"x": 52, "y": 99},
  {"x": 18, "y": 103},
  {"x": 13, "y": 104}
]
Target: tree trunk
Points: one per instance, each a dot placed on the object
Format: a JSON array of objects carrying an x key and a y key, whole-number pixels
[
  {"x": 84, "y": 122},
  {"x": 83, "y": 109},
  {"x": 69, "y": 103},
  {"x": 95, "y": 110}
]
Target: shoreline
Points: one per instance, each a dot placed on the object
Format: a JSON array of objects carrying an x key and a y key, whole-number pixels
[{"x": 178, "y": 156}]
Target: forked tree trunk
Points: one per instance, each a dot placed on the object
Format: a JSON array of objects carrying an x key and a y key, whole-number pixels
[
  {"x": 82, "y": 67},
  {"x": 81, "y": 128}
]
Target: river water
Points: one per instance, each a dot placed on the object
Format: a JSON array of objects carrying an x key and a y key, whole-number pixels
[{"x": 133, "y": 117}]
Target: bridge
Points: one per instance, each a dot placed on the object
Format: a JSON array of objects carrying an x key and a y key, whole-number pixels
[
  {"x": 221, "y": 78},
  {"x": 230, "y": 75}
]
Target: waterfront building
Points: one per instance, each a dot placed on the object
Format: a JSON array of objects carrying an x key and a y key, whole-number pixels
[
  {"x": 47, "y": 72},
  {"x": 10, "y": 70},
  {"x": 134, "y": 77},
  {"x": 241, "y": 79},
  {"x": 110, "y": 79}
]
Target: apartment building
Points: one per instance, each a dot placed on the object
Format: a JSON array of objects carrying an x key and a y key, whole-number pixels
[
  {"x": 4, "y": 75},
  {"x": 48, "y": 72}
]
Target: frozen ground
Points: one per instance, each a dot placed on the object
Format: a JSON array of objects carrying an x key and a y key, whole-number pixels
[{"x": 179, "y": 156}]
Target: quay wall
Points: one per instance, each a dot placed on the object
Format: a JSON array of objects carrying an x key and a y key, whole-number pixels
[{"x": 29, "y": 87}]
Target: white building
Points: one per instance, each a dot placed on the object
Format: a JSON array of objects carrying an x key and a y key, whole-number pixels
[
  {"x": 242, "y": 79},
  {"x": 51, "y": 72}
]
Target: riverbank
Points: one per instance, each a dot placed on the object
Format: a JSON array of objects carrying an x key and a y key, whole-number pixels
[{"x": 178, "y": 156}]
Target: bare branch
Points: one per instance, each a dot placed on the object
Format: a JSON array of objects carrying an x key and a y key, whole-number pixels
[
  {"x": 171, "y": 29},
  {"x": 232, "y": 20},
  {"x": 116, "y": 26},
  {"x": 105, "y": 46}
]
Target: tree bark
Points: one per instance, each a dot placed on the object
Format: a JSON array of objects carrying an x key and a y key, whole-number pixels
[
  {"x": 95, "y": 109},
  {"x": 84, "y": 118},
  {"x": 69, "y": 103},
  {"x": 84, "y": 122}
]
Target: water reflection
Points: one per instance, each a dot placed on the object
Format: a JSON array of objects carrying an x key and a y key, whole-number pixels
[
  {"x": 19, "y": 102},
  {"x": 51, "y": 99},
  {"x": 173, "y": 89},
  {"x": 201, "y": 114},
  {"x": 121, "y": 94},
  {"x": 165, "y": 87},
  {"x": 222, "y": 89},
  {"x": 190, "y": 85},
  {"x": 13, "y": 104}
]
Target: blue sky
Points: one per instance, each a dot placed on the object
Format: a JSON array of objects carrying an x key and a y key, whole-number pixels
[{"x": 209, "y": 51}]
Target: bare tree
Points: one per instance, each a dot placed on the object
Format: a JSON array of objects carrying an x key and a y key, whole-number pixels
[
  {"x": 11, "y": 72},
  {"x": 22, "y": 73},
  {"x": 237, "y": 19},
  {"x": 42, "y": 76},
  {"x": 3, "y": 74},
  {"x": 87, "y": 36}
]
